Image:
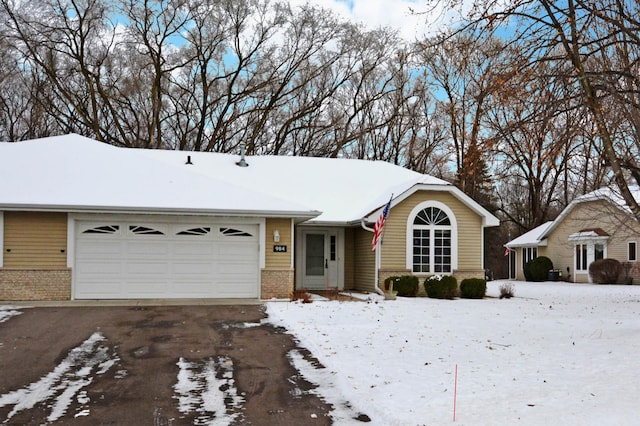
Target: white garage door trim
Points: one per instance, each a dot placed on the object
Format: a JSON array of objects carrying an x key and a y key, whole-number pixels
[{"x": 138, "y": 258}]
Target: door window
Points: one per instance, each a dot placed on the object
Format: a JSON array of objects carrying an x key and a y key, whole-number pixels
[{"x": 314, "y": 262}]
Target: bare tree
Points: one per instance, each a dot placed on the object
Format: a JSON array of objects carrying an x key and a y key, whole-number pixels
[
  {"x": 468, "y": 73},
  {"x": 580, "y": 34}
]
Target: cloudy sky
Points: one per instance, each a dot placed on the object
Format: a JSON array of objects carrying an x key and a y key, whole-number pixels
[{"x": 393, "y": 13}]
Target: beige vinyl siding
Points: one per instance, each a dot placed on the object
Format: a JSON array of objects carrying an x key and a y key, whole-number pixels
[
  {"x": 596, "y": 214},
  {"x": 364, "y": 273},
  {"x": 278, "y": 260},
  {"x": 34, "y": 240},
  {"x": 349, "y": 258},
  {"x": 469, "y": 224}
]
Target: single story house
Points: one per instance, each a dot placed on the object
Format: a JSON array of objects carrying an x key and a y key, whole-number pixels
[
  {"x": 81, "y": 219},
  {"x": 594, "y": 226}
]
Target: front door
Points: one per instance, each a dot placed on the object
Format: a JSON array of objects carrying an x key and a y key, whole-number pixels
[{"x": 319, "y": 264}]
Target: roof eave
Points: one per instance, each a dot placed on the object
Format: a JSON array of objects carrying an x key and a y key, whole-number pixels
[
  {"x": 305, "y": 215},
  {"x": 542, "y": 243}
]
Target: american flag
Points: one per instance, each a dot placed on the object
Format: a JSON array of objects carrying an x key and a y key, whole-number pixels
[{"x": 377, "y": 228}]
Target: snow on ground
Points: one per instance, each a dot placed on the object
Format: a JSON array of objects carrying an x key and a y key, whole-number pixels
[
  {"x": 59, "y": 388},
  {"x": 7, "y": 312},
  {"x": 556, "y": 353},
  {"x": 208, "y": 389}
]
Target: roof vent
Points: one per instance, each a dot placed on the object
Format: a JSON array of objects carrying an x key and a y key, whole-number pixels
[
  {"x": 188, "y": 160},
  {"x": 242, "y": 162}
]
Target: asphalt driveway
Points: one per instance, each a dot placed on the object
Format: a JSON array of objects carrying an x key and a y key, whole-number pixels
[{"x": 151, "y": 365}]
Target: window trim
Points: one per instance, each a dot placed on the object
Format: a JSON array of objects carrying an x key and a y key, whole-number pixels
[
  {"x": 409, "y": 235},
  {"x": 589, "y": 244},
  {"x": 528, "y": 254}
]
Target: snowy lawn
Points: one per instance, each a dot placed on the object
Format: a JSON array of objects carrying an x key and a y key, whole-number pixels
[{"x": 556, "y": 353}]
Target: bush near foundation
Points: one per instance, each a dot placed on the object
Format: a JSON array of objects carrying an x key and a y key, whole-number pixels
[
  {"x": 605, "y": 271},
  {"x": 405, "y": 285},
  {"x": 473, "y": 288},
  {"x": 441, "y": 287},
  {"x": 538, "y": 269}
]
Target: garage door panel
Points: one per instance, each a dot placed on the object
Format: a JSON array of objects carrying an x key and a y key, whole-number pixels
[
  {"x": 193, "y": 248},
  {"x": 196, "y": 288},
  {"x": 146, "y": 289},
  {"x": 185, "y": 261},
  {"x": 96, "y": 267},
  {"x": 147, "y": 248},
  {"x": 152, "y": 269},
  {"x": 194, "y": 269},
  {"x": 104, "y": 247}
]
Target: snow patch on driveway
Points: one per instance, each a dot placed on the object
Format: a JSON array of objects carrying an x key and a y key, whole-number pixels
[
  {"x": 58, "y": 389},
  {"x": 207, "y": 388},
  {"x": 7, "y": 312}
]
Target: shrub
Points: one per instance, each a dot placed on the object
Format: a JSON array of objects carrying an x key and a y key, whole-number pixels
[
  {"x": 605, "y": 271},
  {"x": 473, "y": 288},
  {"x": 626, "y": 271},
  {"x": 539, "y": 269},
  {"x": 405, "y": 285},
  {"x": 441, "y": 286},
  {"x": 506, "y": 291}
]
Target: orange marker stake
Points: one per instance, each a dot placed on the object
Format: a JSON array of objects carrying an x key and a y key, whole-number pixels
[{"x": 455, "y": 392}]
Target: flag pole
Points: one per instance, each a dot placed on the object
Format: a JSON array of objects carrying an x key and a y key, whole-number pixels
[{"x": 378, "y": 247}]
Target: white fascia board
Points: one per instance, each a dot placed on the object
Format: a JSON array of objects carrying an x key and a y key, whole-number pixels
[
  {"x": 326, "y": 224},
  {"x": 305, "y": 215},
  {"x": 488, "y": 219},
  {"x": 541, "y": 243}
]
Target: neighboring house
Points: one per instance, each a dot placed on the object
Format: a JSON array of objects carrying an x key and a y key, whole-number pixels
[
  {"x": 80, "y": 219},
  {"x": 594, "y": 226}
]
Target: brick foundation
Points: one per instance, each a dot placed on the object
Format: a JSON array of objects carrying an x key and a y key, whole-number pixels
[
  {"x": 277, "y": 283},
  {"x": 35, "y": 284},
  {"x": 463, "y": 274}
]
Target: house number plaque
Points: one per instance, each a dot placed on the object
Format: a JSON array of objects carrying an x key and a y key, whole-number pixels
[{"x": 280, "y": 248}]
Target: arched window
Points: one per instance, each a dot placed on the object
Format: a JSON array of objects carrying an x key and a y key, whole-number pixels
[{"x": 432, "y": 241}]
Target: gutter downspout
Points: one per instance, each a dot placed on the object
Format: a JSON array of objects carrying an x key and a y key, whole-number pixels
[{"x": 377, "y": 262}]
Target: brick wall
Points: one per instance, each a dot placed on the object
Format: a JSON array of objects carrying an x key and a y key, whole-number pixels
[
  {"x": 462, "y": 274},
  {"x": 35, "y": 284},
  {"x": 277, "y": 283}
]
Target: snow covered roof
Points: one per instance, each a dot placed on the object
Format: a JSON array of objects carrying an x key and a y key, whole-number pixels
[
  {"x": 536, "y": 237},
  {"x": 79, "y": 174},
  {"x": 533, "y": 238},
  {"x": 606, "y": 194},
  {"x": 344, "y": 190},
  {"x": 589, "y": 234},
  {"x": 74, "y": 172}
]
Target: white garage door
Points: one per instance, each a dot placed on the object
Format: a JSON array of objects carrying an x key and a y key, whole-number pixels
[{"x": 138, "y": 260}]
